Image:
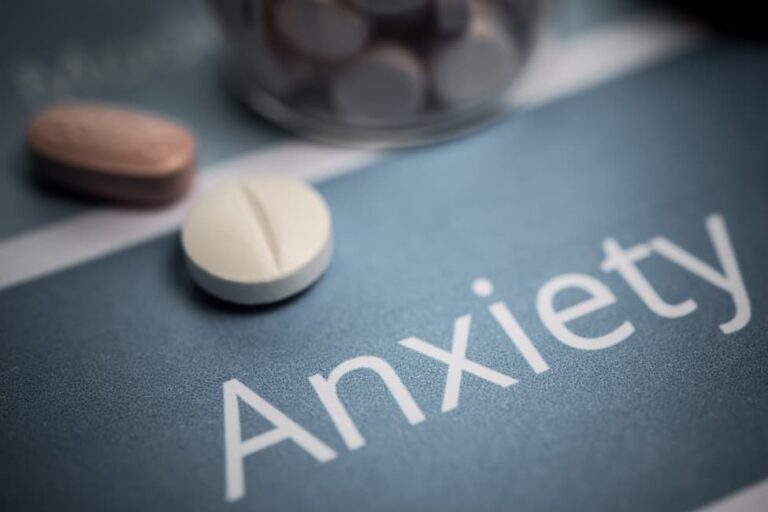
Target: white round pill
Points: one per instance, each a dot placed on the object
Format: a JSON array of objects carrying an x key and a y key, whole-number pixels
[{"x": 258, "y": 240}]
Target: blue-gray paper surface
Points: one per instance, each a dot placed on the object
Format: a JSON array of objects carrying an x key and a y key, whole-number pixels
[{"x": 111, "y": 373}]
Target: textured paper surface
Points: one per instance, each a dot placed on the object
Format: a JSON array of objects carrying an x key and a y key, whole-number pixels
[{"x": 111, "y": 373}]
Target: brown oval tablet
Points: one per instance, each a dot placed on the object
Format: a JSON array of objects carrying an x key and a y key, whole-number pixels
[{"x": 112, "y": 153}]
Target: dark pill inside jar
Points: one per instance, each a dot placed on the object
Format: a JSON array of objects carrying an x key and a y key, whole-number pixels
[{"x": 379, "y": 73}]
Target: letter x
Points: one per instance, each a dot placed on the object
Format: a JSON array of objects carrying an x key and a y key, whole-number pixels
[{"x": 457, "y": 362}]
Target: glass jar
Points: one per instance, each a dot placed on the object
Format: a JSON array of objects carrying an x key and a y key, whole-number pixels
[{"x": 378, "y": 73}]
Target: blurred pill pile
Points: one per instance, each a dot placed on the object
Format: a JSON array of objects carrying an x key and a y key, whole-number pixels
[{"x": 377, "y": 69}]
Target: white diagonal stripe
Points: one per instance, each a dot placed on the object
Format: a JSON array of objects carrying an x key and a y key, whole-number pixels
[{"x": 751, "y": 499}]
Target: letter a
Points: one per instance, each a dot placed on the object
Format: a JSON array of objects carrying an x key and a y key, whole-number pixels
[{"x": 237, "y": 449}]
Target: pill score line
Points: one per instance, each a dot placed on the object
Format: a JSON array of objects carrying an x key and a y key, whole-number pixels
[
  {"x": 565, "y": 68},
  {"x": 258, "y": 240}
]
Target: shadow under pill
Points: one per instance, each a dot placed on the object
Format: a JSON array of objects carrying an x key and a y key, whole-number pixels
[
  {"x": 31, "y": 179},
  {"x": 183, "y": 285}
]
